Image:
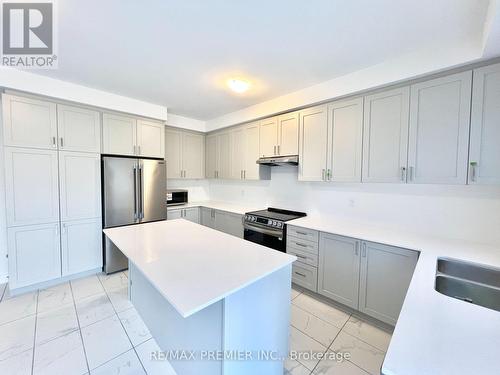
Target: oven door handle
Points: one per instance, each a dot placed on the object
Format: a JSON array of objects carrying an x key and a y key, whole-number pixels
[{"x": 271, "y": 232}]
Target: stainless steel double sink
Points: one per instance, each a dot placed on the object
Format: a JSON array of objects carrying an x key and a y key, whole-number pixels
[{"x": 469, "y": 282}]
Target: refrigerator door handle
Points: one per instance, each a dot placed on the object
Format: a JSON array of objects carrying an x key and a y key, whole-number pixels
[
  {"x": 141, "y": 193},
  {"x": 136, "y": 215}
]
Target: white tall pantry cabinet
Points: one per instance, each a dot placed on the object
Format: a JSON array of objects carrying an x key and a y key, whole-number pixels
[{"x": 52, "y": 174}]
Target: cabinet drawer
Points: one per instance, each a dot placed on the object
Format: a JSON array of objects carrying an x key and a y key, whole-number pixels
[
  {"x": 302, "y": 233},
  {"x": 302, "y": 245},
  {"x": 304, "y": 256},
  {"x": 306, "y": 276}
]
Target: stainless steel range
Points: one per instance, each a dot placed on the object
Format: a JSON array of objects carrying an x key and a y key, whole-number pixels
[{"x": 268, "y": 228}]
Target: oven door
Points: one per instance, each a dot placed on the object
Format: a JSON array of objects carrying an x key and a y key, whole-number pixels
[{"x": 273, "y": 238}]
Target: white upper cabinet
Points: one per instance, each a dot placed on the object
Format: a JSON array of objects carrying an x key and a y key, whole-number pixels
[
  {"x": 439, "y": 130},
  {"x": 346, "y": 130},
  {"x": 193, "y": 155},
  {"x": 313, "y": 143},
  {"x": 269, "y": 137},
  {"x": 150, "y": 139},
  {"x": 34, "y": 254},
  {"x": 211, "y": 156},
  {"x": 119, "y": 134},
  {"x": 29, "y": 122},
  {"x": 79, "y": 129},
  {"x": 484, "y": 159},
  {"x": 31, "y": 179},
  {"x": 385, "y": 136},
  {"x": 81, "y": 246},
  {"x": 288, "y": 134},
  {"x": 252, "y": 170},
  {"x": 80, "y": 185},
  {"x": 173, "y": 153},
  {"x": 125, "y": 135}
]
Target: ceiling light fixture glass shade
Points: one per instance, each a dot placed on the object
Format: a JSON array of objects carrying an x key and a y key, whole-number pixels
[{"x": 238, "y": 85}]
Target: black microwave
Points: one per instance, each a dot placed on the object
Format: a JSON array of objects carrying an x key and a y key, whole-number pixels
[{"x": 177, "y": 197}]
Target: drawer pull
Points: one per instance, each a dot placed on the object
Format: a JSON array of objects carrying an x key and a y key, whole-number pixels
[
  {"x": 302, "y": 233},
  {"x": 300, "y": 274},
  {"x": 300, "y": 256},
  {"x": 300, "y": 244}
]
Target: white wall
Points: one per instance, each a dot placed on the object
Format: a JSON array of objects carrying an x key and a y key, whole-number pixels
[
  {"x": 460, "y": 212},
  {"x": 186, "y": 123},
  {"x": 198, "y": 190}
]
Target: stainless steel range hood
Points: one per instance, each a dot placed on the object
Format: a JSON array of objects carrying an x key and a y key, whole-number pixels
[{"x": 279, "y": 160}]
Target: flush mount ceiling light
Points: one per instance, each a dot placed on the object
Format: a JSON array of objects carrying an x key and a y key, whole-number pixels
[{"x": 237, "y": 85}]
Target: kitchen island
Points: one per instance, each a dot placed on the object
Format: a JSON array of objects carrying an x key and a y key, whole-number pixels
[{"x": 214, "y": 303}]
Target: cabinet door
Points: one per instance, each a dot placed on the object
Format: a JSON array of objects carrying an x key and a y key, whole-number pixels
[
  {"x": 484, "y": 159},
  {"x": 150, "y": 139},
  {"x": 80, "y": 185},
  {"x": 211, "y": 156},
  {"x": 192, "y": 214},
  {"x": 345, "y": 133},
  {"x": 386, "y": 273},
  {"x": 78, "y": 129},
  {"x": 173, "y": 153},
  {"x": 313, "y": 143},
  {"x": 229, "y": 223},
  {"x": 238, "y": 143},
  {"x": 81, "y": 245},
  {"x": 31, "y": 179},
  {"x": 439, "y": 130},
  {"x": 338, "y": 276},
  {"x": 385, "y": 136},
  {"x": 193, "y": 155},
  {"x": 207, "y": 217},
  {"x": 224, "y": 157},
  {"x": 118, "y": 135},
  {"x": 174, "y": 214},
  {"x": 288, "y": 134},
  {"x": 252, "y": 170},
  {"x": 29, "y": 122},
  {"x": 34, "y": 254},
  {"x": 268, "y": 137}
]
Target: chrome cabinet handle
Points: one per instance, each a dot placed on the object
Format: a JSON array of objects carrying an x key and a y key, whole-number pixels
[
  {"x": 53, "y": 141},
  {"x": 356, "y": 250},
  {"x": 62, "y": 142},
  {"x": 403, "y": 174},
  {"x": 278, "y": 149},
  {"x": 300, "y": 256},
  {"x": 473, "y": 166},
  {"x": 302, "y": 233},
  {"x": 300, "y": 244},
  {"x": 244, "y": 174},
  {"x": 364, "y": 250},
  {"x": 300, "y": 274},
  {"x": 274, "y": 150},
  {"x": 328, "y": 175},
  {"x": 323, "y": 171}
]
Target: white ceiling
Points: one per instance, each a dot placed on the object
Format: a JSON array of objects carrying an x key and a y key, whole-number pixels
[{"x": 178, "y": 53}]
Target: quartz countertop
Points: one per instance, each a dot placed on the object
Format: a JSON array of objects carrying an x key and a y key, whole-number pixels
[
  {"x": 435, "y": 334},
  {"x": 193, "y": 266}
]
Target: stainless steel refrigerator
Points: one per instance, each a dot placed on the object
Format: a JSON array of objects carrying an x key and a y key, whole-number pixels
[{"x": 133, "y": 193}]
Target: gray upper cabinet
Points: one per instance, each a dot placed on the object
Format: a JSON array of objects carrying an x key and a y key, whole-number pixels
[
  {"x": 268, "y": 137},
  {"x": 218, "y": 155},
  {"x": 313, "y": 143},
  {"x": 338, "y": 276},
  {"x": 185, "y": 154},
  {"x": 288, "y": 134},
  {"x": 385, "y": 136},
  {"x": 29, "y": 122},
  {"x": 386, "y": 273},
  {"x": 119, "y": 135},
  {"x": 345, "y": 129},
  {"x": 484, "y": 158},
  {"x": 439, "y": 130}
]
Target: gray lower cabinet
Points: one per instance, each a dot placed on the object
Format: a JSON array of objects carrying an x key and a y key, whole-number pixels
[
  {"x": 190, "y": 214},
  {"x": 207, "y": 216},
  {"x": 386, "y": 273},
  {"x": 338, "y": 276},
  {"x": 229, "y": 223},
  {"x": 305, "y": 275}
]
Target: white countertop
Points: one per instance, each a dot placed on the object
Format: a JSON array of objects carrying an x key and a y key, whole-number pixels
[
  {"x": 435, "y": 334},
  {"x": 222, "y": 206},
  {"x": 193, "y": 266}
]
